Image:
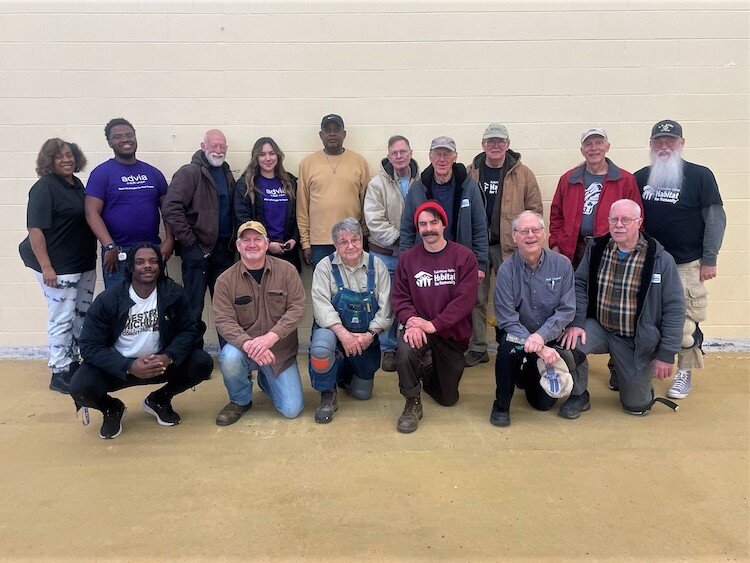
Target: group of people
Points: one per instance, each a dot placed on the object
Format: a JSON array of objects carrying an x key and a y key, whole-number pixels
[{"x": 623, "y": 272}]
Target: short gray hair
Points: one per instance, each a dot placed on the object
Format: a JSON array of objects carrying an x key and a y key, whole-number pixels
[
  {"x": 523, "y": 214},
  {"x": 349, "y": 224}
]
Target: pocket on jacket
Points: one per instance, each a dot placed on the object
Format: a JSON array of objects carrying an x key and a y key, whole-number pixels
[{"x": 276, "y": 303}]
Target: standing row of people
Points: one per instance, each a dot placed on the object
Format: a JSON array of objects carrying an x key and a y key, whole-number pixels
[{"x": 202, "y": 207}]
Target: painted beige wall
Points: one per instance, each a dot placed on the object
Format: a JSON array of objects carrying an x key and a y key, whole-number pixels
[{"x": 548, "y": 70}]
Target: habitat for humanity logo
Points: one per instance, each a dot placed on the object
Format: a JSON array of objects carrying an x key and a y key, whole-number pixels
[{"x": 423, "y": 279}]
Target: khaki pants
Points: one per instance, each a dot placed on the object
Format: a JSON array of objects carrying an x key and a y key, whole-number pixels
[
  {"x": 696, "y": 303},
  {"x": 479, "y": 312}
]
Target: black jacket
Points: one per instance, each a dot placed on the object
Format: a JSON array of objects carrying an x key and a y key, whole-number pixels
[{"x": 179, "y": 329}]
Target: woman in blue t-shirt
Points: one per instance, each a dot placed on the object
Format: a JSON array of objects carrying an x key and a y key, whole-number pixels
[
  {"x": 267, "y": 193},
  {"x": 61, "y": 249}
]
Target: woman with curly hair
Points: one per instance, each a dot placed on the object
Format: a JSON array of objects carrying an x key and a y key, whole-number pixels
[
  {"x": 61, "y": 249},
  {"x": 267, "y": 193}
]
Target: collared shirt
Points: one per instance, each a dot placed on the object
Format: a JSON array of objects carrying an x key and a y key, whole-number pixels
[
  {"x": 618, "y": 282},
  {"x": 355, "y": 278},
  {"x": 244, "y": 309},
  {"x": 540, "y": 299}
]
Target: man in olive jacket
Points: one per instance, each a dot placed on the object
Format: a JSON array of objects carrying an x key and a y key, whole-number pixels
[{"x": 508, "y": 188}]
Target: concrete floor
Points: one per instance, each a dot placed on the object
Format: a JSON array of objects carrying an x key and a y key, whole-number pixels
[{"x": 670, "y": 485}]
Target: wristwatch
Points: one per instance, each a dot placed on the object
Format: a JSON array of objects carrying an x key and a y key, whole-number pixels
[
  {"x": 374, "y": 334},
  {"x": 109, "y": 247}
]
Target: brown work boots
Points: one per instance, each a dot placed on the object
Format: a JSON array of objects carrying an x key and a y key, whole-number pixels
[{"x": 409, "y": 419}]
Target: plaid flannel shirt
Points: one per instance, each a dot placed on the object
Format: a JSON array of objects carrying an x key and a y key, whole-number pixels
[{"x": 619, "y": 280}]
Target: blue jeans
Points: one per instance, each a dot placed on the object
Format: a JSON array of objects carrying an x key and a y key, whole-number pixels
[
  {"x": 344, "y": 368},
  {"x": 320, "y": 251},
  {"x": 284, "y": 389},
  {"x": 119, "y": 274},
  {"x": 388, "y": 340}
]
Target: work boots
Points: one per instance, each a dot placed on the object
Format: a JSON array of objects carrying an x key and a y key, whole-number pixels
[{"x": 409, "y": 419}]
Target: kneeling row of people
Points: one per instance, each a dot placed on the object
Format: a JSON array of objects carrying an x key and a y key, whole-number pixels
[{"x": 625, "y": 299}]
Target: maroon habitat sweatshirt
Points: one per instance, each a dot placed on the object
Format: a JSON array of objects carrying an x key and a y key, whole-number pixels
[{"x": 438, "y": 286}]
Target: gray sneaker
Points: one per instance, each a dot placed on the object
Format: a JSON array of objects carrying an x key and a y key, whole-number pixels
[
  {"x": 409, "y": 419},
  {"x": 681, "y": 386},
  {"x": 474, "y": 358},
  {"x": 575, "y": 405},
  {"x": 328, "y": 406}
]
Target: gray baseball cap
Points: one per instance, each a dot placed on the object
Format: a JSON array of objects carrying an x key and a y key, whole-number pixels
[
  {"x": 495, "y": 131},
  {"x": 443, "y": 143},
  {"x": 593, "y": 131}
]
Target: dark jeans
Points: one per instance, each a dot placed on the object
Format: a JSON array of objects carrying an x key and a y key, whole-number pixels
[
  {"x": 320, "y": 251},
  {"x": 440, "y": 383},
  {"x": 119, "y": 274},
  {"x": 510, "y": 371},
  {"x": 200, "y": 273},
  {"x": 90, "y": 385}
]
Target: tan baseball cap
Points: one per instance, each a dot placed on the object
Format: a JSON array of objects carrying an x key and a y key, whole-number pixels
[{"x": 256, "y": 226}]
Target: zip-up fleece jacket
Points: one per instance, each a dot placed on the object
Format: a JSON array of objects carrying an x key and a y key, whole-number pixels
[
  {"x": 520, "y": 193},
  {"x": 384, "y": 206},
  {"x": 470, "y": 229},
  {"x": 660, "y": 312},
  {"x": 566, "y": 212},
  {"x": 191, "y": 206},
  {"x": 180, "y": 332}
]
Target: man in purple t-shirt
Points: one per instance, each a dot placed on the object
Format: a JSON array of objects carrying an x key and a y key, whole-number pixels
[
  {"x": 123, "y": 197},
  {"x": 434, "y": 290}
]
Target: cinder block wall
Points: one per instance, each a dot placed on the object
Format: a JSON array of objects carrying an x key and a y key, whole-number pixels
[{"x": 548, "y": 70}]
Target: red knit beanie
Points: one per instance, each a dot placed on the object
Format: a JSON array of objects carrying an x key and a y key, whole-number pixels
[{"x": 431, "y": 205}]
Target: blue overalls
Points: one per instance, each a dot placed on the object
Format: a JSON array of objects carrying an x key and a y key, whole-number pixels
[{"x": 356, "y": 310}]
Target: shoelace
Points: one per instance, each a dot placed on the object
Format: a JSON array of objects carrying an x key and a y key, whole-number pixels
[{"x": 680, "y": 380}]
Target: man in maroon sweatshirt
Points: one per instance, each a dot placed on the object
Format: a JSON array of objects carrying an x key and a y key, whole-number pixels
[{"x": 433, "y": 293}]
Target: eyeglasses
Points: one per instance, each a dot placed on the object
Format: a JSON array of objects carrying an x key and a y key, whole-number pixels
[
  {"x": 496, "y": 142},
  {"x": 402, "y": 152},
  {"x": 669, "y": 142},
  {"x": 356, "y": 241},
  {"x": 524, "y": 232},
  {"x": 123, "y": 136},
  {"x": 624, "y": 220},
  {"x": 442, "y": 155}
]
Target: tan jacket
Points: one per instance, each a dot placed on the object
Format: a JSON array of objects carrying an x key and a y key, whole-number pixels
[
  {"x": 244, "y": 310},
  {"x": 325, "y": 197},
  {"x": 384, "y": 206},
  {"x": 520, "y": 193}
]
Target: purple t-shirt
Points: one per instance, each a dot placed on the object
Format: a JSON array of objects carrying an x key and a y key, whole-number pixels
[
  {"x": 130, "y": 193},
  {"x": 275, "y": 202}
]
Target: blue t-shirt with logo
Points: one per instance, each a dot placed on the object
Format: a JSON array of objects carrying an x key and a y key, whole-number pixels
[
  {"x": 275, "y": 202},
  {"x": 131, "y": 194}
]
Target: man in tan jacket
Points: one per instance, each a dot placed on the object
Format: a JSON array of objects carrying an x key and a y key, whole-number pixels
[
  {"x": 508, "y": 187},
  {"x": 384, "y": 205},
  {"x": 258, "y": 305}
]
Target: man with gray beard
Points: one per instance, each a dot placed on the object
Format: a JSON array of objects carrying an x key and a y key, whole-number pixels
[
  {"x": 198, "y": 207},
  {"x": 683, "y": 211}
]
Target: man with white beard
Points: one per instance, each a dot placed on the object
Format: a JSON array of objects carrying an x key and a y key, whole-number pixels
[
  {"x": 198, "y": 207},
  {"x": 683, "y": 211}
]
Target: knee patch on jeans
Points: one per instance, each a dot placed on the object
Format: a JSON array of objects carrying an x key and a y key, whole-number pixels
[{"x": 322, "y": 350}]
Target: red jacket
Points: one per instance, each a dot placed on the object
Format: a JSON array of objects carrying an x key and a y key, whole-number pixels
[{"x": 567, "y": 205}]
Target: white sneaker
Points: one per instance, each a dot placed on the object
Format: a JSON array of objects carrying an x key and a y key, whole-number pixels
[{"x": 681, "y": 386}]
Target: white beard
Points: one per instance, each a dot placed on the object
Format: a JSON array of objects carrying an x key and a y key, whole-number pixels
[
  {"x": 666, "y": 174},
  {"x": 214, "y": 159}
]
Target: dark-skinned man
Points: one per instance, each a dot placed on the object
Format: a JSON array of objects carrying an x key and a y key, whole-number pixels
[{"x": 141, "y": 331}]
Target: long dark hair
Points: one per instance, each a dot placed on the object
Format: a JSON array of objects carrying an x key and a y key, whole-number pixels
[
  {"x": 45, "y": 160},
  {"x": 253, "y": 169},
  {"x": 130, "y": 265}
]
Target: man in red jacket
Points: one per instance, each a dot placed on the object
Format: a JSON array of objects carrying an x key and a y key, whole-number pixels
[
  {"x": 433, "y": 293},
  {"x": 584, "y": 195}
]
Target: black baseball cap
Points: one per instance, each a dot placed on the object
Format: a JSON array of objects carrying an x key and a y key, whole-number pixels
[
  {"x": 666, "y": 128},
  {"x": 331, "y": 117}
]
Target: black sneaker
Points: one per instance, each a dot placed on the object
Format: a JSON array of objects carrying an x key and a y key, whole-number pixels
[
  {"x": 59, "y": 383},
  {"x": 498, "y": 417},
  {"x": 474, "y": 358},
  {"x": 163, "y": 412},
  {"x": 575, "y": 405},
  {"x": 112, "y": 425}
]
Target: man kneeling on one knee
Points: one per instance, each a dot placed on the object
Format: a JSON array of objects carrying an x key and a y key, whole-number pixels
[
  {"x": 351, "y": 306},
  {"x": 434, "y": 292},
  {"x": 534, "y": 302},
  {"x": 629, "y": 303},
  {"x": 141, "y": 331},
  {"x": 258, "y": 304}
]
